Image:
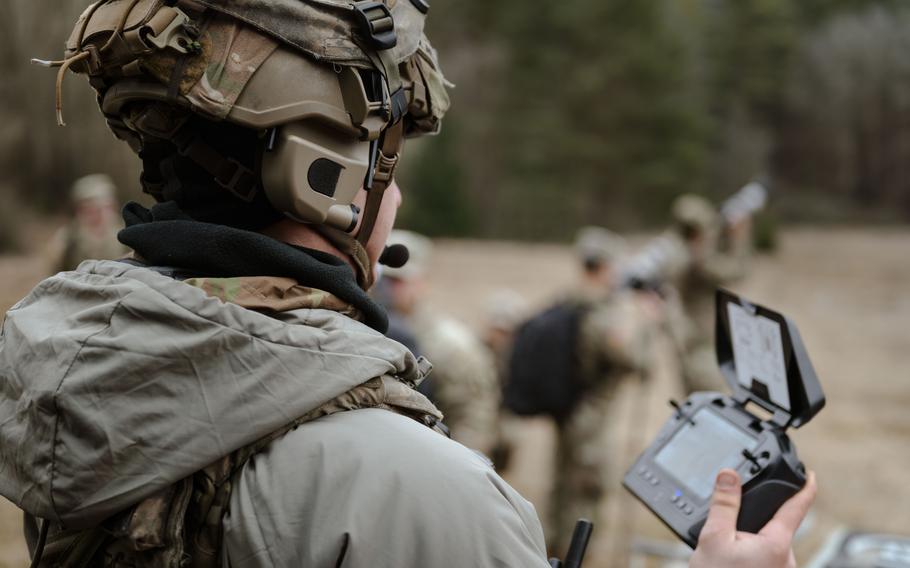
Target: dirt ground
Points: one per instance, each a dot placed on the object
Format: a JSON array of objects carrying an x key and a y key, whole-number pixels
[{"x": 848, "y": 290}]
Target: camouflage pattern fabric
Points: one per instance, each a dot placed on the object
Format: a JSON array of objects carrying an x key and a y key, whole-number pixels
[
  {"x": 237, "y": 36},
  {"x": 464, "y": 379},
  {"x": 615, "y": 344},
  {"x": 324, "y": 29},
  {"x": 272, "y": 294},
  {"x": 213, "y": 81}
]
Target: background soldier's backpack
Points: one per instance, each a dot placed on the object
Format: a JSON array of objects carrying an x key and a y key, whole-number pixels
[{"x": 544, "y": 375}]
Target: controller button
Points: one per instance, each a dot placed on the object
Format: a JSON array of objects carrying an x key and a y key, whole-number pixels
[
  {"x": 688, "y": 510},
  {"x": 674, "y": 498},
  {"x": 654, "y": 481}
]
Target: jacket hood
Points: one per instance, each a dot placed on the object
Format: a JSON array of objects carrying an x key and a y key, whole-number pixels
[{"x": 117, "y": 381}]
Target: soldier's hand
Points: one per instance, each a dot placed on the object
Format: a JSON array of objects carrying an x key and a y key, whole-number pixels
[{"x": 720, "y": 544}]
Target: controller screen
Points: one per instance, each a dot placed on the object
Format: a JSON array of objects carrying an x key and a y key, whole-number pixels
[
  {"x": 696, "y": 453},
  {"x": 758, "y": 354}
]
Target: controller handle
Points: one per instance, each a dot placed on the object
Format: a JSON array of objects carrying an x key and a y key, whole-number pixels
[{"x": 758, "y": 506}]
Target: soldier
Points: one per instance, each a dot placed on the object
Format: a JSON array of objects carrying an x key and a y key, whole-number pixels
[
  {"x": 228, "y": 397},
  {"x": 464, "y": 383},
  {"x": 710, "y": 255},
  {"x": 92, "y": 232},
  {"x": 505, "y": 311},
  {"x": 613, "y": 343}
]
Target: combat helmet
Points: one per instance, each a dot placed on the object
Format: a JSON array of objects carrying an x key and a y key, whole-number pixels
[
  {"x": 693, "y": 214},
  {"x": 93, "y": 187},
  {"x": 597, "y": 246},
  {"x": 331, "y": 87}
]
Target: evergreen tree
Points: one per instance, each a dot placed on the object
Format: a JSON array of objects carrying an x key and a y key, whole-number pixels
[
  {"x": 598, "y": 124},
  {"x": 434, "y": 201},
  {"x": 816, "y": 12}
]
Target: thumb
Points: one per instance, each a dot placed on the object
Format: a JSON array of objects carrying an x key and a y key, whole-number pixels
[{"x": 721, "y": 522}]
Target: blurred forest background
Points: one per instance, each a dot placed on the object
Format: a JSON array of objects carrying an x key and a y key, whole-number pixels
[{"x": 571, "y": 112}]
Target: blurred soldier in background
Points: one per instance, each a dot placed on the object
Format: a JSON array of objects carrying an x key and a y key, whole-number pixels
[
  {"x": 91, "y": 234},
  {"x": 613, "y": 343},
  {"x": 463, "y": 381},
  {"x": 711, "y": 254},
  {"x": 505, "y": 311},
  {"x": 706, "y": 248},
  {"x": 399, "y": 328}
]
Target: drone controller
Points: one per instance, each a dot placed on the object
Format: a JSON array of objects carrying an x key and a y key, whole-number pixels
[{"x": 762, "y": 357}]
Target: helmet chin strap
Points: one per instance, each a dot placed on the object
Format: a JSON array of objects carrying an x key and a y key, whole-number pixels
[
  {"x": 389, "y": 150},
  {"x": 352, "y": 248},
  {"x": 355, "y": 248}
]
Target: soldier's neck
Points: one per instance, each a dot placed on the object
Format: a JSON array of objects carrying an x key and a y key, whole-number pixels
[{"x": 301, "y": 235}]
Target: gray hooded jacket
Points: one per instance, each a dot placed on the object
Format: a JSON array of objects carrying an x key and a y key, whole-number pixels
[{"x": 116, "y": 382}]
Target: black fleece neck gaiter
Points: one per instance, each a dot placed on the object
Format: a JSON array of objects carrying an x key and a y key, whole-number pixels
[{"x": 166, "y": 236}]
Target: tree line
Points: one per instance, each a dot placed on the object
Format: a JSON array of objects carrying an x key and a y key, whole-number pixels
[
  {"x": 585, "y": 111},
  {"x": 573, "y": 112}
]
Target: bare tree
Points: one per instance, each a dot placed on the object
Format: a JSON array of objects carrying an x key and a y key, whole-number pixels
[
  {"x": 38, "y": 157},
  {"x": 850, "y": 103}
]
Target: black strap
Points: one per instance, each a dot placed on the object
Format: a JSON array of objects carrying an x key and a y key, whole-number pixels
[
  {"x": 153, "y": 188},
  {"x": 377, "y": 25},
  {"x": 228, "y": 173}
]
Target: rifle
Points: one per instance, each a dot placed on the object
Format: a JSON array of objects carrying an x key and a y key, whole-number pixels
[{"x": 579, "y": 544}]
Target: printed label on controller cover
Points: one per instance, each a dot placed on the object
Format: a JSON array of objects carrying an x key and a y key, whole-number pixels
[{"x": 758, "y": 351}]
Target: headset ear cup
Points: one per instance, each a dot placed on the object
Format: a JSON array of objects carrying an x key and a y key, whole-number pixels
[{"x": 312, "y": 174}]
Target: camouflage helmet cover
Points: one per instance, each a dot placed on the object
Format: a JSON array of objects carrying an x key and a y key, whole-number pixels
[
  {"x": 266, "y": 64},
  {"x": 93, "y": 187},
  {"x": 207, "y": 61},
  {"x": 599, "y": 245}
]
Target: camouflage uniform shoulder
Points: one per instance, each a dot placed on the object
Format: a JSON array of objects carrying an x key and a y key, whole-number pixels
[
  {"x": 464, "y": 378},
  {"x": 615, "y": 329},
  {"x": 442, "y": 330}
]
